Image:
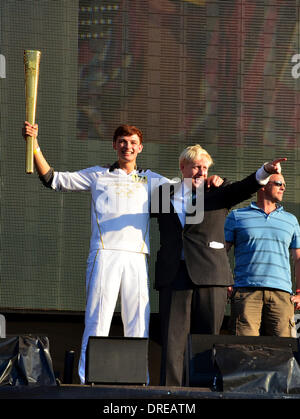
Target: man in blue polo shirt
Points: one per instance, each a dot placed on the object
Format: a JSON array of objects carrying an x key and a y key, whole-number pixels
[{"x": 263, "y": 235}]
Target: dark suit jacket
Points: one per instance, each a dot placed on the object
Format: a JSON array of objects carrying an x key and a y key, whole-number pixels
[{"x": 205, "y": 265}]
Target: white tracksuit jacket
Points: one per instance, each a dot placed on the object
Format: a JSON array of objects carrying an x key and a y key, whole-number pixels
[{"x": 119, "y": 242}]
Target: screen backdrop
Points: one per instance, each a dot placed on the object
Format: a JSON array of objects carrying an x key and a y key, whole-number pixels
[{"x": 224, "y": 74}]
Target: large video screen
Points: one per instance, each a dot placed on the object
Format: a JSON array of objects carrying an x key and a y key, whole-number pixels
[{"x": 223, "y": 74}]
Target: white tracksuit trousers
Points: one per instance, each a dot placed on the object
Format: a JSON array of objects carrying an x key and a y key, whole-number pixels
[{"x": 108, "y": 272}]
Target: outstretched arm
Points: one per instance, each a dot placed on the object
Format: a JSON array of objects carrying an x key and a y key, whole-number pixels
[
  {"x": 40, "y": 162},
  {"x": 240, "y": 191},
  {"x": 60, "y": 181},
  {"x": 262, "y": 174}
]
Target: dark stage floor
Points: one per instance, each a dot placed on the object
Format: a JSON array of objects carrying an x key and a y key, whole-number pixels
[
  {"x": 115, "y": 392},
  {"x": 64, "y": 333}
]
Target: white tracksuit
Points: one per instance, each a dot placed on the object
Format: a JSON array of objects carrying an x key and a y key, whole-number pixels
[{"x": 118, "y": 247}]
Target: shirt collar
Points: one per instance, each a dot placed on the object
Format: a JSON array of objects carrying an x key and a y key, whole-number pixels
[
  {"x": 116, "y": 165},
  {"x": 253, "y": 205},
  {"x": 182, "y": 192}
]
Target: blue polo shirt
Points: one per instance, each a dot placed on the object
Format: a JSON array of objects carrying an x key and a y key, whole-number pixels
[{"x": 261, "y": 246}]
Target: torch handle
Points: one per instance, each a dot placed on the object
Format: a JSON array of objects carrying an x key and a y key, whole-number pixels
[{"x": 29, "y": 155}]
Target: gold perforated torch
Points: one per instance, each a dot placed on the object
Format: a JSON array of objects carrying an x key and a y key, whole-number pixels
[{"x": 31, "y": 68}]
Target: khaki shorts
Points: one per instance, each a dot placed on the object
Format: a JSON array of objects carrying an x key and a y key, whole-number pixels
[{"x": 262, "y": 311}]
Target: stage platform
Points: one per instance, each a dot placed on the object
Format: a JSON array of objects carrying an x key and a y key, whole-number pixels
[
  {"x": 130, "y": 392},
  {"x": 65, "y": 333}
]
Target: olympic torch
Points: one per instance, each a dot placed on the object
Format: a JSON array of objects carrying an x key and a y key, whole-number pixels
[{"x": 31, "y": 67}]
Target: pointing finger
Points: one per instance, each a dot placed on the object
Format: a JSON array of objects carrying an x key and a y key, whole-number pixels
[{"x": 279, "y": 160}]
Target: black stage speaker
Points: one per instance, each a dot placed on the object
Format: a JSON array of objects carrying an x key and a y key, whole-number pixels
[
  {"x": 116, "y": 360},
  {"x": 243, "y": 363}
]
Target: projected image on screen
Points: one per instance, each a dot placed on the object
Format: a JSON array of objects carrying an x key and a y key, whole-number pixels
[
  {"x": 189, "y": 70},
  {"x": 222, "y": 74}
]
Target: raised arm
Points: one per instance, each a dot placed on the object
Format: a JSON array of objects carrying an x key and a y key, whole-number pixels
[
  {"x": 61, "y": 181},
  {"x": 40, "y": 162}
]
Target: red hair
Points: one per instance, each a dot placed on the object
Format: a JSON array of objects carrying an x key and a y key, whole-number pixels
[{"x": 127, "y": 130}]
